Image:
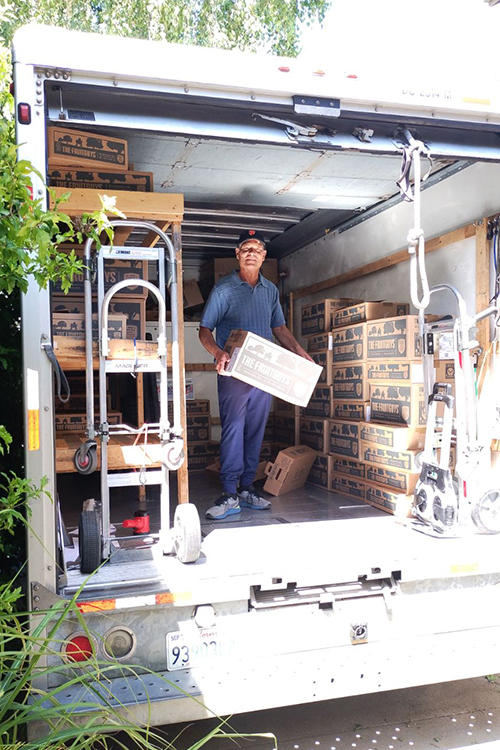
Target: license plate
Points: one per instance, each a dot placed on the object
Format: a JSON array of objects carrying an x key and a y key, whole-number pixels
[{"x": 185, "y": 650}]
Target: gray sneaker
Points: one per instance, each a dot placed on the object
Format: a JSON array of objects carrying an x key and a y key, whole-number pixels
[
  {"x": 226, "y": 505},
  {"x": 251, "y": 499}
]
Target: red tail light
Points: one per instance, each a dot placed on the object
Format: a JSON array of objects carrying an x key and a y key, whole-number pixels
[{"x": 78, "y": 648}]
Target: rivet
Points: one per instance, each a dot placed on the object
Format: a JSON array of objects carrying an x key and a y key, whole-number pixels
[
  {"x": 37, "y": 598},
  {"x": 115, "y": 83},
  {"x": 45, "y": 408},
  {"x": 36, "y": 587},
  {"x": 65, "y": 76},
  {"x": 49, "y": 567},
  {"x": 38, "y": 75},
  {"x": 40, "y": 191},
  {"x": 186, "y": 89},
  {"x": 37, "y": 609},
  {"x": 253, "y": 97},
  {"x": 48, "y": 73},
  {"x": 57, "y": 74},
  {"x": 39, "y": 101}
]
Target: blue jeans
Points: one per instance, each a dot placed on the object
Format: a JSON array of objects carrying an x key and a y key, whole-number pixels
[{"x": 243, "y": 410}]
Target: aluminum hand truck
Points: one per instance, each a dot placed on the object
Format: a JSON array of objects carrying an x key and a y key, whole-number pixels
[
  {"x": 96, "y": 541},
  {"x": 474, "y": 499}
]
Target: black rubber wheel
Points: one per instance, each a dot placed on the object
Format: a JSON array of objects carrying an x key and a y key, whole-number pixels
[
  {"x": 85, "y": 461},
  {"x": 89, "y": 536}
]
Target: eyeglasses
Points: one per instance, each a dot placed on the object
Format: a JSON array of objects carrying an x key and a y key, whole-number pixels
[{"x": 246, "y": 250}]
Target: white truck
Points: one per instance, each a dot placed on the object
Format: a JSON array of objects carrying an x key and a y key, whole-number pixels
[{"x": 340, "y": 599}]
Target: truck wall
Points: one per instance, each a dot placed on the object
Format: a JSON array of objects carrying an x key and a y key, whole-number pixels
[{"x": 458, "y": 200}]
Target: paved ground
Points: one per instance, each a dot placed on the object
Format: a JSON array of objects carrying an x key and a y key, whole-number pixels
[{"x": 449, "y": 716}]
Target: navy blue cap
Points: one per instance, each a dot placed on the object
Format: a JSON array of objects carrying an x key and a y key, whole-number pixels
[{"x": 251, "y": 234}]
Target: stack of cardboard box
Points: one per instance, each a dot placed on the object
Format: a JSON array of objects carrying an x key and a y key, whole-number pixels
[{"x": 373, "y": 393}]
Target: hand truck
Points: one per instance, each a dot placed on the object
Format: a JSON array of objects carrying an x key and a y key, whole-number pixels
[
  {"x": 474, "y": 500},
  {"x": 96, "y": 541}
]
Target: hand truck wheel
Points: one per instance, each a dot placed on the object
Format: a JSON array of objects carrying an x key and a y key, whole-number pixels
[
  {"x": 85, "y": 459},
  {"x": 90, "y": 541},
  {"x": 486, "y": 512}
]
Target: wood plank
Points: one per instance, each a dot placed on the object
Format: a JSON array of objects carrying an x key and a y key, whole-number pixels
[
  {"x": 182, "y": 474},
  {"x": 401, "y": 256},
  {"x": 140, "y": 398},
  {"x": 482, "y": 285},
  {"x": 200, "y": 367},
  {"x": 122, "y": 453},
  {"x": 152, "y": 238},
  {"x": 71, "y": 352},
  {"x": 146, "y": 206}
]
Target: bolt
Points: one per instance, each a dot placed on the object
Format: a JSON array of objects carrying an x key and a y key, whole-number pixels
[
  {"x": 37, "y": 598},
  {"x": 65, "y": 76},
  {"x": 38, "y": 75},
  {"x": 57, "y": 74},
  {"x": 48, "y": 73},
  {"x": 49, "y": 567},
  {"x": 253, "y": 97},
  {"x": 186, "y": 89},
  {"x": 37, "y": 609},
  {"x": 36, "y": 587},
  {"x": 40, "y": 191},
  {"x": 39, "y": 101},
  {"x": 38, "y": 113},
  {"x": 115, "y": 83},
  {"x": 45, "y": 408}
]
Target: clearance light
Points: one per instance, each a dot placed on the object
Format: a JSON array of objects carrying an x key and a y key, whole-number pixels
[
  {"x": 284, "y": 69},
  {"x": 24, "y": 114},
  {"x": 351, "y": 75},
  {"x": 78, "y": 648},
  {"x": 318, "y": 72}
]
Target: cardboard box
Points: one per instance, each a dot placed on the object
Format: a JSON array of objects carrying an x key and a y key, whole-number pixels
[
  {"x": 347, "y": 467},
  {"x": 268, "y": 451},
  {"x": 78, "y": 148},
  {"x": 391, "y": 436},
  {"x": 406, "y": 460},
  {"x": 133, "y": 309},
  {"x": 192, "y": 294},
  {"x": 284, "y": 430},
  {"x": 349, "y": 382},
  {"x": 445, "y": 371},
  {"x": 290, "y": 470},
  {"x": 200, "y": 455},
  {"x": 319, "y": 474},
  {"x": 271, "y": 368},
  {"x": 320, "y": 343},
  {"x": 353, "y": 410},
  {"x": 101, "y": 179},
  {"x": 73, "y": 324},
  {"x": 349, "y": 344},
  {"x": 391, "y": 501},
  {"x": 393, "y": 479},
  {"x": 398, "y": 404},
  {"x": 283, "y": 408},
  {"x": 114, "y": 271},
  {"x": 325, "y": 360},
  {"x": 198, "y": 427},
  {"x": 320, "y": 403},
  {"x": 345, "y": 439},
  {"x": 198, "y": 406},
  {"x": 344, "y": 485},
  {"x": 315, "y": 433},
  {"x": 72, "y": 422},
  {"x": 365, "y": 311},
  {"x": 405, "y": 371},
  {"x": 394, "y": 338},
  {"x": 318, "y": 317},
  {"x": 215, "y": 268}
]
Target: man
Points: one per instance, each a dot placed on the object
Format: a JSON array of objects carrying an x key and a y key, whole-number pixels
[{"x": 246, "y": 300}]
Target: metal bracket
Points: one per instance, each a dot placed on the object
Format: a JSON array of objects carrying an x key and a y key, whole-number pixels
[
  {"x": 292, "y": 129},
  {"x": 41, "y": 598}
]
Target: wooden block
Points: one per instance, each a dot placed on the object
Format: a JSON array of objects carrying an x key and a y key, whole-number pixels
[
  {"x": 147, "y": 206},
  {"x": 71, "y": 352}
]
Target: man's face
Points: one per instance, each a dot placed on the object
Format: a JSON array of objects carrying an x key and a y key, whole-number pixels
[{"x": 250, "y": 255}]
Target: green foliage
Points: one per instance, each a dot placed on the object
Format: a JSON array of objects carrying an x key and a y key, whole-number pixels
[{"x": 244, "y": 24}]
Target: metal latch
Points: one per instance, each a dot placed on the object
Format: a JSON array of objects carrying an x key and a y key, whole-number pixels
[{"x": 292, "y": 129}]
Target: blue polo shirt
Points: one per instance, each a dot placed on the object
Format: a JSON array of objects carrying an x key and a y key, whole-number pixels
[{"x": 234, "y": 303}]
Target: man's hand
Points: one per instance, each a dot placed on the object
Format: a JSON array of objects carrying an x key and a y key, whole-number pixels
[{"x": 221, "y": 361}]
